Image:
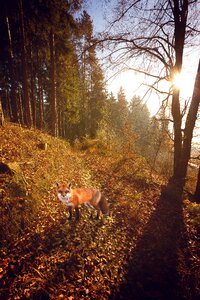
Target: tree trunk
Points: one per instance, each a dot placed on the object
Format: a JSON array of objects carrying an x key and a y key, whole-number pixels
[
  {"x": 32, "y": 89},
  {"x": 1, "y": 114},
  {"x": 21, "y": 111},
  {"x": 180, "y": 12},
  {"x": 183, "y": 151},
  {"x": 26, "y": 98},
  {"x": 53, "y": 102},
  {"x": 8, "y": 108},
  {"x": 14, "y": 110},
  {"x": 60, "y": 123},
  {"x": 189, "y": 126},
  {"x": 197, "y": 190},
  {"x": 177, "y": 133},
  {"x": 41, "y": 106},
  {"x": 39, "y": 83}
]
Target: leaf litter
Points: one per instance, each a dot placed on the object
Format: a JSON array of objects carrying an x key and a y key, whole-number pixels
[{"x": 54, "y": 258}]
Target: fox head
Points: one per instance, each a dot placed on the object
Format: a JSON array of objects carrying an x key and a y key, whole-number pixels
[
  {"x": 63, "y": 191},
  {"x": 63, "y": 188}
]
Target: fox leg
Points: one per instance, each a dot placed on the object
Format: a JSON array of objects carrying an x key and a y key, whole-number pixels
[
  {"x": 70, "y": 212},
  {"x": 77, "y": 213},
  {"x": 92, "y": 213},
  {"x": 98, "y": 213}
]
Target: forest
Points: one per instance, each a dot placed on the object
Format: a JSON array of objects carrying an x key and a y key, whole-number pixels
[{"x": 59, "y": 123}]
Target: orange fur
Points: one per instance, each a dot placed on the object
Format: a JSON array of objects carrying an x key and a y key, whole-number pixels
[{"x": 89, "y": 196}]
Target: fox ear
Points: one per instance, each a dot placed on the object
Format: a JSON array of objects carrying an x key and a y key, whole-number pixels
[
  {"x": 57, "y": 184},
  {"x": 69, "y": 185}
]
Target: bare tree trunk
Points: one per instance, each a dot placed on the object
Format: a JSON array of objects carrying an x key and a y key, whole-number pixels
[
  {"x": 177, "y": 133},
  {"x": 60, "y": 119},
  {"x": 197, "y": 190},
  {"x": 26, "y": 98},
  {"x": 8, "y": 105},
  {"x": 62, "y": 124},
  {"x": 182, "y": 157},
  {"x": 41, "y": 106},
  {"x": 1, "y": 114},
  {"x": 180, "y": 12},
  {"x": 32, "y": 89},
  {"x": 53, "y": 102},
  {"x": 189, "y": 126},
  {"x": 14, "y": 110},
  {"x": 40, "y": 118},
  {"x": 21, "y": 111}
]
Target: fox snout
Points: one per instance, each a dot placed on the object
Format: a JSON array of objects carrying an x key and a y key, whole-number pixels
[{"x": 63, "y": 193}]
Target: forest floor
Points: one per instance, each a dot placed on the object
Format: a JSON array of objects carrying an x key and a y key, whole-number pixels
[{"x": 146, "y": 249}]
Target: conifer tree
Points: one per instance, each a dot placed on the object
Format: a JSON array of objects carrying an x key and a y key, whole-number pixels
[
  {"x": 93, "y": 95},
  {"x": 140, "y": 121},
  {"x": 122, "y": 106}
]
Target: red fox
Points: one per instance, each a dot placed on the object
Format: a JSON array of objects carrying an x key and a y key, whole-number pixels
[{"x": 91, "y": 197}]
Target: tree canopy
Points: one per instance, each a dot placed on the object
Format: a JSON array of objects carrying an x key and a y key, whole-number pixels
[
  {"x": 152, "y": 37},
  {"x": 52, "y": 78}
]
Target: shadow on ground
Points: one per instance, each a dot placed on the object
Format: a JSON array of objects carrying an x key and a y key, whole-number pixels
[{"x": 153, "y": 268}]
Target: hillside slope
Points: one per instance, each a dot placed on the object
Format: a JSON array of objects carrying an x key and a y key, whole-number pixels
[
  {"x": 37, "y": 161},
  {"x": 139, "y": 252}
]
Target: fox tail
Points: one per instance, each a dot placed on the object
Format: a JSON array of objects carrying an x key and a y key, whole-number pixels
[{"x": 101, "y": 202}]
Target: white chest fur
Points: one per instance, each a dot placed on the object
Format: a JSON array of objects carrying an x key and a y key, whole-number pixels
[{"x": 64, "y": 199}]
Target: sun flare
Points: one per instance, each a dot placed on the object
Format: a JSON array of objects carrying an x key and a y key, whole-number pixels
[
  {"x": 177, "y": 80},
  {"x": 184, "y": 82},
  {"x": 134, "y": 85}
]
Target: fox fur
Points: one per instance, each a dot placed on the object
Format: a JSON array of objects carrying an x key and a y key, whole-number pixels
[{"x": 90, "y": 197}]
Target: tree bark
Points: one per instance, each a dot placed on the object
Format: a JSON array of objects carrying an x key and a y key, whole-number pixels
[
  {"x": 180, "y": 12},
  {"x": 183, "y": 146},
  {"x": 197, "y": 190},
  {"x": 177, "y": 133},
  {"x": 189, "y": 126},
  {"x": 32, "y": 89},
  {"x": 1, "y": 114},
  {"x": 26, "y": 98},
  {"x": 14, "y": 110},
  {"x": 53, "y": 100},
  {"x": 39, "y": 83},
  {"x": 41, "y": 106}
]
